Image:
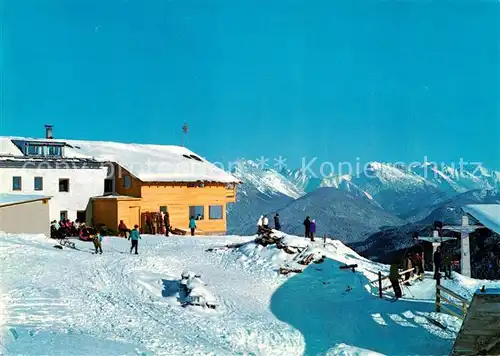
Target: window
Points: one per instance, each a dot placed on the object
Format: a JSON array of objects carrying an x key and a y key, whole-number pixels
[
  {"x": 163, "y": 209},
  {"x": 63, "y": 214},
  {"x": 81, "y": 216},
  {"x": 197, "y": 212},
  {"x": 64, "y": 185},
  {"x": 127, "y": 182},
  {"x": 16, "y": 183},
  {"x": 108, "y": 186},
  {"x": 38, "y": 183},
  {"x": 215, "y": 212},
  {"x": 55, "y": 151}
]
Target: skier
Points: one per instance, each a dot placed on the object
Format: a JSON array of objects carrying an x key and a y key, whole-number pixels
[
  {"x": 312, "y": 229},
  {"x": 192, "y": 225},
  {"x": 394, "y": 278},
  {"x": 447, "y": 267},
  {"x": 265, "y": 222},
  {"x": 307, "y": 226},
  {"x": 406, "y": 266},
  {"x": 97, "y": 240},
  {"x": 437, "y": 262},
  {"x": 134, "y": 236},
  {"x": 277, "y": 224},
  {"x": 166, "y": 221}
]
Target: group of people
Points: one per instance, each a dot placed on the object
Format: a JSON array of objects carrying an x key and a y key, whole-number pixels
[
  {"x": 263, "y": 223},
  {"x": 66, "y": 228}
]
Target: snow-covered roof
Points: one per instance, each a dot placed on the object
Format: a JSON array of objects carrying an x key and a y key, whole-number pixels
[
  {"x": 149, "y": 163},
  {"x": 486, "y": 214},
  {"x": 10, "y": 199}
]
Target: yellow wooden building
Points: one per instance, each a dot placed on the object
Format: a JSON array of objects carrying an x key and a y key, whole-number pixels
[{"x": 153, "y": 179}]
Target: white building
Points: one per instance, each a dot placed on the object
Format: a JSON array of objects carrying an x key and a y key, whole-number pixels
[
  {"x": 53, "y": 168},
  {"x": 24, "y": 214}
]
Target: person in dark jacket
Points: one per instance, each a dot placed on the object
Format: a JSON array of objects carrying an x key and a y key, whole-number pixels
[
  {"x": 312, "y": 229},
  {"x": 134, "y": 236},
  {"x": 166, "y": 221},
  {"x": 123, "y": 229},
  {"x": 277, "y": 225},
  {"x": 307, "y": 227},
  {"x": 447, "y": 267},
  {"x": 394, "y": 278},
  {"x": 437, "y": 262}
]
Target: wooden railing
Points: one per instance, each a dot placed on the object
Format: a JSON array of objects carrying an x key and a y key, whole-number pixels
[
  {"x": 462, "y": 304},
  {"x": 381, "y": 278}
]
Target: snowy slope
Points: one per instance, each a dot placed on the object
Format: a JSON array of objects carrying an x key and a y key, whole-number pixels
[
  {"x": 69, "y": 302},
  {"x": 262, "y": 191},
  {"x": 340, "y": 214}
]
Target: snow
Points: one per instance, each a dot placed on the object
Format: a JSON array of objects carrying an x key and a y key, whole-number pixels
[
  {"x": 158, "y": 163},
  {"x": 70, "y": 302},
  {"x": 8, "y": 199},
  {"x": 486, "y": 214}
]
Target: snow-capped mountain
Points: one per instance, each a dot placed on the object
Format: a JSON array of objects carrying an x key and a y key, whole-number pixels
[
  {"x": 338, "y": 213},
  {"x": 301, "y": 180},
  {"x": 383, "y": 242},
  {"x": 262, "y": 191}
]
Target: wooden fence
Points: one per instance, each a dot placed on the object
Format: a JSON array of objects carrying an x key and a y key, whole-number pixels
[
  {"x": 381, "y": 278},
  {"x": 461, "y": 304}
]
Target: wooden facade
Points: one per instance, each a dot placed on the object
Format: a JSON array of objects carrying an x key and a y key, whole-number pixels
[{"x": 135, "y": 197}]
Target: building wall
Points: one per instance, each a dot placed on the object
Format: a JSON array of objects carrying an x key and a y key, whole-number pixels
[
  {"x": 105, "y": 211},
  {"x": 178, "y": 197},
  {"x": 135, "y": 188},
  {"x": 26, "y": 218},
  {"x": 83, "y": 184}
]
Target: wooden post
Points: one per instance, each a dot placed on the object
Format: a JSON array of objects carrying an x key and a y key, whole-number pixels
[
  {"x": 324, "y": 240},
  {"x": 464, "y": 310},
  {"x": 380, "y": 284},
  {"x": 438, "y": 293}
]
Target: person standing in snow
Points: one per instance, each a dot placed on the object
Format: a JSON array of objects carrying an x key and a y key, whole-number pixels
[
  {"x": 265, "y": 222},
  {"x": 437, "y": 262},
  {"x": 312, "y": 229},
  {"x": 97, "y": 240},
  {"x": 259, "y": 225},
  {"x": 394, "y": 278},
  {"x": 192, "y": 225},
  {"x": 447, "y": 267},
  {"x": 123, "y": 229},
  {"x": 166, "y": 221},
  {"x": 277, "y": 225},
  {"x": 307, "y": 227},
  {"x": 407, "y": 264},
  {"x": 134, "y": 236}
]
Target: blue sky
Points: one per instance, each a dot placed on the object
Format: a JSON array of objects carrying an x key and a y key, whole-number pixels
[{"x": 378, "y": 80}]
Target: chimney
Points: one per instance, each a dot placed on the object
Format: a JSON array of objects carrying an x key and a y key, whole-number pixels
[{"x": 48, "y": 132}]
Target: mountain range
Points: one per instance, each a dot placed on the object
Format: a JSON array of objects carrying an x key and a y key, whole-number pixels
[{"x": 355, "y": 207}]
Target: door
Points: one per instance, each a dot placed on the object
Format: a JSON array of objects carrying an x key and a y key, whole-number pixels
[{"x": 134, "y": 216}]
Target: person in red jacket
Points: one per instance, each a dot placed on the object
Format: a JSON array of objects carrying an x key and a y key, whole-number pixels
[{"x": 123, "y": 230}]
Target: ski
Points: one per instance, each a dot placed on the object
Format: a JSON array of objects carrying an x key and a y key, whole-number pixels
[{"x": 435, "y": 322}]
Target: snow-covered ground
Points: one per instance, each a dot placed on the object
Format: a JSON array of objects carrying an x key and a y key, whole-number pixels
[{"x": 70, "y": 302}]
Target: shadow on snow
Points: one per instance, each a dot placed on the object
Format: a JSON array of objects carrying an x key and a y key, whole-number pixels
[{"x": 317, "y": 304}]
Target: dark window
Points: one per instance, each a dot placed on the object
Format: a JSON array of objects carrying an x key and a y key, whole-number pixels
[
  {"x": 197, "y": 212},
  {"x": 196, "y": 158},
  {"x": 55, "y": 151},
  {"x": 38, "y": 183},
  {"x": 127, "y": 182},
  {"x": 63, "y": 214},
  {"x": 108, "y": 186},
  {"x": 187, "y": 156},
  {"x": 163, "y": 209},
  {"x": 215, "y": 212},
  {"x": 64, "y": 185},
  {"x": 16, "y": 183},
  {"x": 81, "y": 215}
]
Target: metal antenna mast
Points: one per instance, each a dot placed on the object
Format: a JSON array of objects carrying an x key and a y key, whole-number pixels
[{"x": 185, "y": 130}]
